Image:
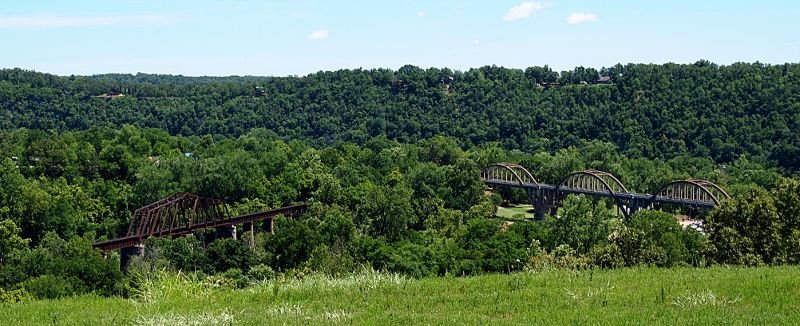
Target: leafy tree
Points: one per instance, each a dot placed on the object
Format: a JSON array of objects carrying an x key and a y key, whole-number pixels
[
  {"x": 226, "y": 254},
  {"x": 10, "y": 241},
  {"x": 386, "y": 211},
  {"x": 579, "y": 223}
]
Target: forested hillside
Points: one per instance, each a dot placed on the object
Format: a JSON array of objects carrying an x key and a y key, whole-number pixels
[
  {"x": 652, "y": 111},
  {"x": 389, "y": 162}
]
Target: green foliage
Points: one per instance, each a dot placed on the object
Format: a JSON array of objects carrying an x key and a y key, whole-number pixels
[
  {"x": 261, "y": 272},
  {"x": 758, "y": 227},
  {"x": 386, "y": 212},
  {"x": 396, "y": 186},
  {"x": 14, "y": 296},
  {"x": 651, "y": 111},
  {"x": 676, "y": 296},
  {"x": 579, "y": 223},
  {"x": 10, "y": 241},
  {"x": 662, "y": 234},
  {"x": 57, "y": 268},
  {"x": 331, "y": 261},
  {"x": 52, "y": 287},
  {"x": 291, "y": 244},
  {"x": 227, "y": 254}
]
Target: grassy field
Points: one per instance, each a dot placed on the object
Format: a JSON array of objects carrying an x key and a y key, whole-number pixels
[
  {"x": 508, "y": 212},
  {"x": 635, "y": 296}
]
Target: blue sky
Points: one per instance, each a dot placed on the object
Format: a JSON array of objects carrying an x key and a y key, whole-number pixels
[{"x": 278, "y": 38}]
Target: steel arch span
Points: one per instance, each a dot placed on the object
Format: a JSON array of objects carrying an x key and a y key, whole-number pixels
[
  {"x": 507, "y": 173},
  {"x": 690, "y": 192},
  {"x": 597, "y": 183},
  {"x": 546, "y": 198},
  {"x": 592, "y": 181}
]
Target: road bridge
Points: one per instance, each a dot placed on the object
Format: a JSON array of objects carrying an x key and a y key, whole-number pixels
[{"x": 546, "y": 198}]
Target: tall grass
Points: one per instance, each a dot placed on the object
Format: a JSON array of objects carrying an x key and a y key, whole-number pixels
[{"x": 718, "y": 295}]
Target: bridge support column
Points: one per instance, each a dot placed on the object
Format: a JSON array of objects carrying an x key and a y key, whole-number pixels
[
  {"x": 128, "y": 253},
  {"x": 248, "y": 227},
  {"x": 227, "y": 232},
  {"x": 542, "y": 204},
  {"x": 269, "y": 225},
  {"x": 635, "y": 205}
]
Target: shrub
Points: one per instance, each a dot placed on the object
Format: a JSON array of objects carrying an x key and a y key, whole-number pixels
[
  {"x": 224, "y": 254},
  {"x": 331, "y": 262},
  {"x": 261, "y": 272},
  {"x": 608, "y": 256},
  {"x": 49, "y": 287},
  {"x": 14, "y": 296}
]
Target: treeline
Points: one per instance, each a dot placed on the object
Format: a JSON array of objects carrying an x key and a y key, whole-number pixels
[
  {"x": 745, "y": 110},
  {"x": 419, "y": 209}
]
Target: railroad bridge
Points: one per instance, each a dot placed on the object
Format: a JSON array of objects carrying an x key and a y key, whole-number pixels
[
  {"x": 546, "y": 198},
  {"x": 183, "y": 213}
]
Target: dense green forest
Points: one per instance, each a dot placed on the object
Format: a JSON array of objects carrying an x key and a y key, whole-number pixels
[
  {"x": 651, "y": 111},
  {"x": 391, "y": 172}
]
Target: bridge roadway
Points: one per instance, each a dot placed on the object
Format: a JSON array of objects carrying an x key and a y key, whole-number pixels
[{"x": 627, "y": 196}]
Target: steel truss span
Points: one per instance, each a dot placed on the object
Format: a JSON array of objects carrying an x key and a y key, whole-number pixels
[
  {"x": 183, "y": 213},
  {"x": 545, "y": 198}
]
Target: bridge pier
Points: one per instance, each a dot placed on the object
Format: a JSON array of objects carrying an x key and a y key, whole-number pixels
[
  {"x": 543, "y": 204},
  {"x": 269, "y": 225},
  {"x": 249, "y": 227},
  {"x": 226, "y": 232},
  {"x": 128, "y": 253}
]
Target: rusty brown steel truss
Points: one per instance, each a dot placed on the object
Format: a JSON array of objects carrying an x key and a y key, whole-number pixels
[
  {"x": 174, "y": 213},
  {"x": 183, "y": 213},
  {"x": 545, "y": 198}
]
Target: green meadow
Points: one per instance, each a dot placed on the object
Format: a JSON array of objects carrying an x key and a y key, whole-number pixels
[
  {"x": 509, "y": 212},
  {"x": 636, "y": 296}
]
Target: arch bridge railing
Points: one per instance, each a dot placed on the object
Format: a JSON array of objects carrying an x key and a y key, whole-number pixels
[
  {"x": 692, "y": 192},
  {"x": 545, "y": 197},
  {"x": 508, "y": 173}
]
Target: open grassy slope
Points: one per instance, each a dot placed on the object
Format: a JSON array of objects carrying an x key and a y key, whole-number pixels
[
  {"x": 719, "y": 295},
  {"x": 508, "y": 212}
]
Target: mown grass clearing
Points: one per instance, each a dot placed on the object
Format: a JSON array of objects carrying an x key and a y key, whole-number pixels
[
  {"x": 718, "y": 295},
  {"x": 508, "y": 212}
]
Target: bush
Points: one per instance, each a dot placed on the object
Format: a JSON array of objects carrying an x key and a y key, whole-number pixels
[
  {"x": 49, "y": 287},
  {"x": 238, "y": 279},
  {"x": 261, "y": 272},
  {"x": 608, "y": 256},
  {"x": 14, "y": 296},
  {"x": 331, "y": 262},
  {"x": 225, "y": 254}
]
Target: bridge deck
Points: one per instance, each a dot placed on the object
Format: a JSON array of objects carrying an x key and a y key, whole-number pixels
[{"x": 623, "y": 195}]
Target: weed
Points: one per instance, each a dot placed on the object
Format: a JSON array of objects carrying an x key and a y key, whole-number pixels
[
  {"x": 705, "y": 298},
  {"x": 201, "y": 318}
]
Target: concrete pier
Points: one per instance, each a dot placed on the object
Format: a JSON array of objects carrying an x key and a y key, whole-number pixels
[
  {"x": 226, "y": 232},
  {"x": 126, "y": 254}
]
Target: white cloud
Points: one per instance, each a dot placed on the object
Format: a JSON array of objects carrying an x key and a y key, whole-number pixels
[
  {"x": 318, "y": 35},
  {"x": 422, "y": 14},
  {"x": 580, "y": 17},
  {"x": 48, "y": 21},
  {"x": 524, "y": 10}
]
